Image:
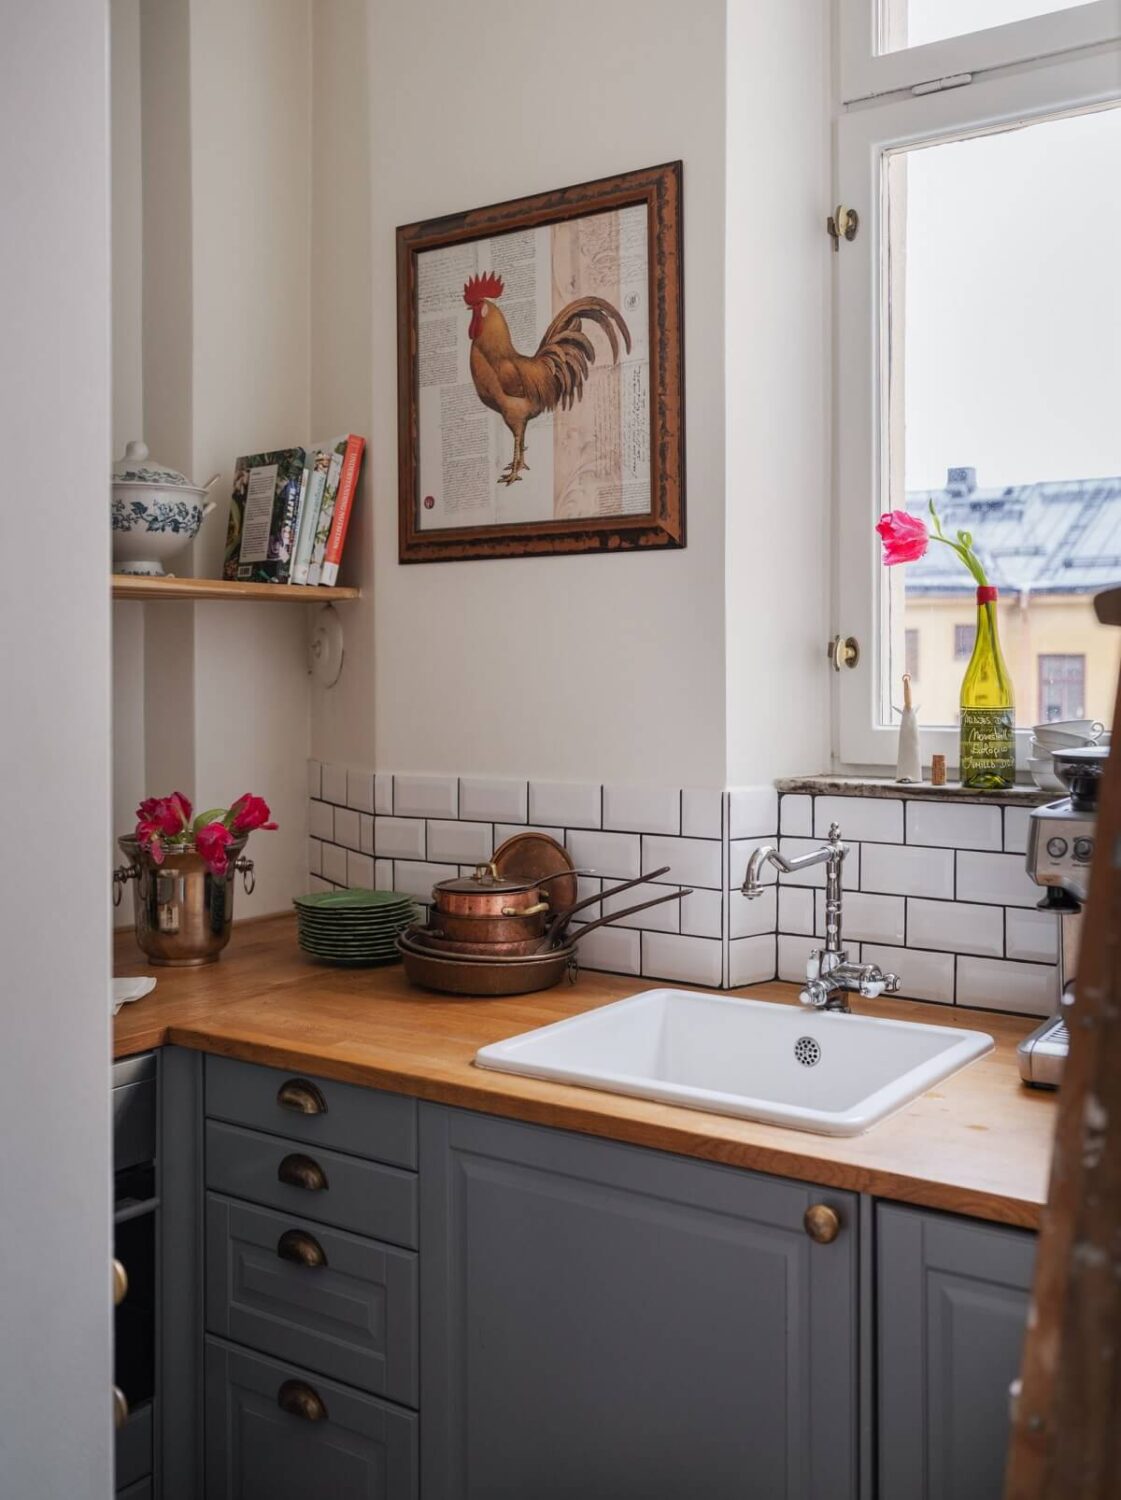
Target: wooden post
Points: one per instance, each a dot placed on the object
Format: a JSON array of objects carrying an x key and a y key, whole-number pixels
[{"x": 1066, "y": 1433}]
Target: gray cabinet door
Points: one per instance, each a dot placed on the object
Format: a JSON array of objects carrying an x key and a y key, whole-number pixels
[
  {"x": 345, "y": 1446},
  {"x": 604, "y": 1321},
  {"x": 951, "y": 1308}
]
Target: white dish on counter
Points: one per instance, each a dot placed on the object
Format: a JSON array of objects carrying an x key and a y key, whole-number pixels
[{"x": 783, "y": 1064}]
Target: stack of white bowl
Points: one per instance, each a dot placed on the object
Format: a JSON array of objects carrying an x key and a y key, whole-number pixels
[{"x": 1060, "y": 734}]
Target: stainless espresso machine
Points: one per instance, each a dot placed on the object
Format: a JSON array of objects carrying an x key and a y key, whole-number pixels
[{"x": 1060, "y": 850}]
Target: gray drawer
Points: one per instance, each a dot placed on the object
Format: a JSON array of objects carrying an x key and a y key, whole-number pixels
[
  {"x": 134, "y": 1123},
  {"x": 354, "y": 1316},
  {"x": 359, "y": 1120},
  {"x": 360, "y": 1195},
  {"x": 256, "y": 1450},
  {"x": 134, "y": 1447}
]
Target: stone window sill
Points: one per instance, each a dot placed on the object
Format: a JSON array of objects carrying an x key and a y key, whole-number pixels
[{"x": 873, "y": 786}]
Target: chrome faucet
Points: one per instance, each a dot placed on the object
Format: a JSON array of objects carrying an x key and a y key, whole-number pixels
[{"x": 829, "y": 974}]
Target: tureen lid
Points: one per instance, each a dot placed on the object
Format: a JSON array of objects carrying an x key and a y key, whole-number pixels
[{"x": 137, "y": 468}]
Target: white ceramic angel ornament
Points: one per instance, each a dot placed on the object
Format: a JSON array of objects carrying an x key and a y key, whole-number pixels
[{"x": 909, "y": 765}]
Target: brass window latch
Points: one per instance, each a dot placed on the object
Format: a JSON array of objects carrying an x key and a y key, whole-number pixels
[
  {"x": 842, "y": 223},
  {"x": 843, "y": 651}
]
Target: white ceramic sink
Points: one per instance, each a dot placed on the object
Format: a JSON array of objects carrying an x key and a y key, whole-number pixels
[{"x": 785, "y": 1064}]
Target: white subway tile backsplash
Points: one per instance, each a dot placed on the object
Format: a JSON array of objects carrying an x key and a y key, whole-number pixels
[
  {"x": 417, "y": 877},
  {"x": 359, "y": 871},
  {"x": 815, "y": 874},
  {"x": 314, "y": 856},
  {"x": 701, "y": 914},
  {"x": 1031, "y": 935},
  {"x": 571, "y": 804},
  {"x": 616, "y": 949},
  {"x": 906, "y": 870},
  {"x": 860, "y": 818},
  {"x": 751, "y": 960},
  {"x": 334, "y": 784},
  {"x": 796, "y": 910},
  {"x": 317, "y": 883},
  {"x": 751, "y": 918},
  {"x": 793, "y": 953},
  {"x": 314, "y": 779},
  {"x": 685, "y": 960},
  {"x": 998, "y": 984},
  {"x": 691, "y": 861},
  {"x": 663, "y": 918},
  {"x": 504, "y": 831},
  {"x": 954, "y": 825},
  {"x": 702, "y": 813},
  {"x": 321, "y": 820},
  {"x": 366, "y": 833},
  {"x": 922, "y": 975},
  {"x": 1016, "y": 830},
  {"x": 333, "y": 863},
  {"x": 753, "y": 810},
  {"x": 360, "y": 790},
  {"x": 586, "y": 886},
  {"x": 491, "y": 799},
  {"x": 796, "y": 816},
  {"x": 347, "y": 828},
  {"x": 464, "y": 843},
  {"x": 642, "y": 809},
  {"x": 425, "y": 796},
  {"x": 955, "y": 927},
  {"x": 399, "y": 838},
  {"x": 999, "y": 878},
  {"x": 867, "y": 918},
  {"x": 615, "y": 855},
  {"x": 383, "y": 874},
  {"x": 383, "y": 794}
]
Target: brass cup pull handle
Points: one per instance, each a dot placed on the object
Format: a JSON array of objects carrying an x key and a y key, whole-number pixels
[
  {"x": 822, "y": 1223},
  {"x": 301, "y": 1171},
  {"x": 302, "y": 1096},
  {"x": 300, "y": 1248},
  {"x": 120, "y": 1408},
  {"x": 120, "y": 1283},
  {"x": 301, "y": 1400}
]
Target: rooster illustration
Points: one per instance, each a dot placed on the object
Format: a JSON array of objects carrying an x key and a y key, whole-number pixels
[{"x": 520, "y": 387}]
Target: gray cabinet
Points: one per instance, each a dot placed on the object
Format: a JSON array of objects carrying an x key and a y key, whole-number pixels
[
  {"x": 278, "y": 1433},
  {"x": 605, "y": 1321},
  {"x": 951, "y": 1308}
]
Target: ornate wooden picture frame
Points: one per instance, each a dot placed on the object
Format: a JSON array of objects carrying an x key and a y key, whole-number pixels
[{"x": 540, "y": 374}]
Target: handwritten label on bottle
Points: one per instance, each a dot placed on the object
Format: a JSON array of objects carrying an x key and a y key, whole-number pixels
[{"x": 988, "y": 747}]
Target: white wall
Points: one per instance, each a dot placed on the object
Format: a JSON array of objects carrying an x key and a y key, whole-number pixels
[
  {"x": 777, "y": 279},
  {"x": 55, "y": 1356},
  {"x": 604, "y": 667}
]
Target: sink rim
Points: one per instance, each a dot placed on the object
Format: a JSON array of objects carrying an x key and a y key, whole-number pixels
[{"x": 968, "y": 1047}]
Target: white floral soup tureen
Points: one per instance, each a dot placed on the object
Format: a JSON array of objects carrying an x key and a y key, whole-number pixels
[{"x": 156, "y": 512}]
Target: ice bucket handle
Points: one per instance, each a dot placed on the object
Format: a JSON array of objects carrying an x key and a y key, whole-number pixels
[
  {"x": 248, "y": 879},
  {"x": 121, "y": 877}
]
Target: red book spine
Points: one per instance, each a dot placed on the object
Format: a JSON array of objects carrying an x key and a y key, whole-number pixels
[{"x": 348, "y": 485}]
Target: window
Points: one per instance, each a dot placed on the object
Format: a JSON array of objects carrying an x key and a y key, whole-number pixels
[
  {"x": 978, "y": 364},
  {"x": 912, "y": 639},
  {"x": 915, "y": 23},
  {"x": 1062, "y": 688}
]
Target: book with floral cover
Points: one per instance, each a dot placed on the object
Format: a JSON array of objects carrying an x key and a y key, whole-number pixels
[{"x": 264, "y": 512}]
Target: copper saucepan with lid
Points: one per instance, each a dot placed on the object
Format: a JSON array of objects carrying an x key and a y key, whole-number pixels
[
  {"x": 487, "y": 894},
  {"x": 516, "y": 932}
]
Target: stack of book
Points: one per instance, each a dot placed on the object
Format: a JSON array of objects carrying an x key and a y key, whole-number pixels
[{"x": 290, "y": 512}]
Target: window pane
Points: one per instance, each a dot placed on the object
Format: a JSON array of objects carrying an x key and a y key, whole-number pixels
[
  {"x": 1004, "y": 373},
  {"x": 911, "y": 23}
]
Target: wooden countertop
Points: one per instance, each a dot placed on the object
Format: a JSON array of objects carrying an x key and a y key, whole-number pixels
[{"x": 978, "y": 1144}]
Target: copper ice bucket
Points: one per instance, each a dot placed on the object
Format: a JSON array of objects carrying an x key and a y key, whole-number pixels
[{"x": 183, "y": 911}]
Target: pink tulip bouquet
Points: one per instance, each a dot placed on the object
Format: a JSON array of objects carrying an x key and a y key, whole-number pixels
[{"x": 164, "y": 823}]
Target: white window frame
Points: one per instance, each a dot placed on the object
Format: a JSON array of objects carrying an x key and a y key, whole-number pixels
[
  {"x": 865, "y": 72},
  {"x": 862, "y": 136}
]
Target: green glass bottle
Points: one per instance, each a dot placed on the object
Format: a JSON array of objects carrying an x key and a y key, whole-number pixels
[{"x": 988, "y": 707}]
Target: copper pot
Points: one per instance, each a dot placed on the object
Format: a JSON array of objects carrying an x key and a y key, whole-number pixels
[
  {"x": 432, "y": 937},
  {"x": 483, "y": 932},
  {"x": 486, "y": 894}
]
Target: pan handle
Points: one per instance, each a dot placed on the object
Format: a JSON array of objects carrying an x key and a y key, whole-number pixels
[
  {"x": 560, "y": 921},
  {"x": 630, "y": 911}
]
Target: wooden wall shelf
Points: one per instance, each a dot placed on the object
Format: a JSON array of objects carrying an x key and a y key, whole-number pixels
[{"x": 134, "y": 586}]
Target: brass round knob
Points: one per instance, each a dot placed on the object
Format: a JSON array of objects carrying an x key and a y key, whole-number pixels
[
  {"x": 822, "y": 1223},
  {"x": 120, "y": 1283}
]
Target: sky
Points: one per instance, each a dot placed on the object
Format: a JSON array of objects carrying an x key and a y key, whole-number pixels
[
  {"x": 1013, "y": 319},
  {"x": 934, "y": 20}
]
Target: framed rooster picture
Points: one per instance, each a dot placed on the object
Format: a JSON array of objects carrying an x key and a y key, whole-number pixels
[{"x": 540, "y": 374}]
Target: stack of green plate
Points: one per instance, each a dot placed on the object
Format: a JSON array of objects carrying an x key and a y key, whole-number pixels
[{"x": 353, "y": 927}]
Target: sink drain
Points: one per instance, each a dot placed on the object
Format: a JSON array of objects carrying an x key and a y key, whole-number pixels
[{"x": 807, "y": 1051}]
